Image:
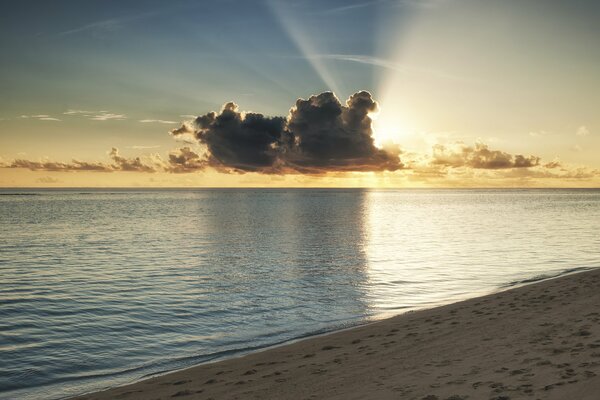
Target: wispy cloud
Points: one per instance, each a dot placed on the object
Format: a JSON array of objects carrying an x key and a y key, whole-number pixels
[
  {"x": 107, "y": 25},
  {"x": 366, "y": 4},
  {"x": 150, "y": 163},
  {"x": 538, "y": 133},
  {"x": 82, "y": 112},
  {"x": 385, "y": 63},
  {"x": 157, "y": 121},
  {"x": 142, "y": 147},
  {"x": 107, "y": 116},
  {"x": 102, "y": 115},
  {"x": 351, "y": 7},
  {"x": 582, "y": 131},
  {"x": 40, "y": 117},
  {"x": 47, "y": 179}
]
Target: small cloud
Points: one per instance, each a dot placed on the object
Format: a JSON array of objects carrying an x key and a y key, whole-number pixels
[
  {"x": 141, "y": 147},
  {"x": 576, "y": 148},
  {"x": 185, "y": 160},
  {"x": 157, "y": 121},
  {"x": 538, "y": 133},
  {"x": 479, "y": 156},
  {"x": 47, "y": 179},
  {"x": 553, "y": 164},
  {"x": 152, "y": 163},
  {"x": 349, "y": 7},
  {"x": 76, "y": 112},
  {"x": 75, "y": 165},
  {"x": 101, "y": 115},
  {"x": 582, "y": 131},
  {"x": 40, "y": 117},
  {"x": 129, "y": 164},
  {"x": 105, "y": 116}
]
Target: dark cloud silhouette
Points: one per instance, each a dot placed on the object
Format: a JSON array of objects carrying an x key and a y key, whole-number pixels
[
  {"x": 129, "y": 164},
  {"x": 120, "y": 163},
  {"x": 331, "y": 136},
  {"x": 553, "y": 164},
  {"x": 185, "y": 160},
  {"x": 480, "y": 157},
  {"x": 75, "y": 165},
  {"x": 319, "y": 135},
  {"x": 246, "y": 142}
]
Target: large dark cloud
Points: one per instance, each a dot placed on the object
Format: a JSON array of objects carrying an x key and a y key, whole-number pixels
[
  {"x": 480, "y": 157},
  {"x": 319, "y": 135},
  {"x": 331, "y": 136},
  {"x": 247, "y": 142}
]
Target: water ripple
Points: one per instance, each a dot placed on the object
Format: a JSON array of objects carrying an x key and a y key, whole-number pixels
[{"x": 100, "y": 288}]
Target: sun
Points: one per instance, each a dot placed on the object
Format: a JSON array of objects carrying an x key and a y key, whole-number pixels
[{"x": 387, "y": 129}]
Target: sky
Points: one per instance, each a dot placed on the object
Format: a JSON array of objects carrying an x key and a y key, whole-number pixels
[{"x": 364, "y": 93}]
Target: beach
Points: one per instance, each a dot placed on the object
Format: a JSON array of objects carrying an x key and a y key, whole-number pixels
[{"x": 538, "y": 341}]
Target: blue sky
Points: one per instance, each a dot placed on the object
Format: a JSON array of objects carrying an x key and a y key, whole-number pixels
[{"x": 519, "y": 75}]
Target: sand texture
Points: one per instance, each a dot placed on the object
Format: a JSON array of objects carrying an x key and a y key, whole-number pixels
[{"x": 540, "y": 341}]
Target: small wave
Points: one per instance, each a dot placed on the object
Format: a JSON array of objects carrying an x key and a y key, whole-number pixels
[
  {"x": 179, "y": 363},
  {"x": 543, "y": 277}
]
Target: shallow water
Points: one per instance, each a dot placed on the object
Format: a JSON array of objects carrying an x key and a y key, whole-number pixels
[{"x": 101, "y": 287}]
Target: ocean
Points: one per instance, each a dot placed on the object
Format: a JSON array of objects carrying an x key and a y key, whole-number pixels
[{"x": 101, "y": 287}]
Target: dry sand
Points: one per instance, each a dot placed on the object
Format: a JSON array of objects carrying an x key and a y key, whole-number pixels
[{"x": 540, "y": 341}]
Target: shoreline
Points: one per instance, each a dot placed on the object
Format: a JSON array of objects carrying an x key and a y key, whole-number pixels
[{"x": 536, "y": 322}]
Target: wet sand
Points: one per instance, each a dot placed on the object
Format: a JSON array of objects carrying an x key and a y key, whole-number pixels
[{"x": 540, "y": 341}]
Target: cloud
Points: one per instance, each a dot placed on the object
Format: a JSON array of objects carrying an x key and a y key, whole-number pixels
[
  {"x": 40, "y": 117},
  {"x": 350, "y": 7},
  {"x": 391, "y": 65},
  {"x": 74, "y": 165},
  {"x": 129, "y": 164},
  {"x": 82, "y": 112},
  {"x": 142, "y": 147},
  {"x": 185, "y": 160},
  {"x": 47, "y": 179},
  {"x": 478, "y": 165},
  {"x": 538, "y": 133},
  {"x": 553, "y": 164},
  {"x": 243, "y": 142},
  {"x": 582, "y": 131},
  {"x": 479, "y": 157},
  {"x": 157, "y": 121},
  {"x": 119, "y": 163},
  {"x": 101, "y": 115},
  {"x": 319, "y": 135},
  {"x": 107, "y": 25},
  {"x": 330, "y": 136},
  {"x": 107, "y": 116}
]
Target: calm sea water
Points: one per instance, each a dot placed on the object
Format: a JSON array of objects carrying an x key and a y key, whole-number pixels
[{"x": 102, "y": 287}]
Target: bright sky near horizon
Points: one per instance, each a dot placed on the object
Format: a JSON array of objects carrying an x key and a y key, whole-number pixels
[{"x": 462, "y": 93}]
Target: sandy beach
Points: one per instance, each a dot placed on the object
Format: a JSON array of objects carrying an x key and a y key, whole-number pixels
[{"x": 539, "y": 341}]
